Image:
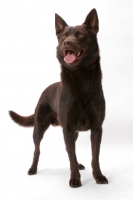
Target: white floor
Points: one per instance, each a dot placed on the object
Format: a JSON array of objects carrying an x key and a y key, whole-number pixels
[
  {"x": 51, "y": 182},
  {"x": 28, "y": 65}
]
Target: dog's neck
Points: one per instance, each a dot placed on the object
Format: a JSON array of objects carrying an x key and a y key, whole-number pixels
[
  {"x": 91, "y": 73},
  {"x": 82, "y": 81}
]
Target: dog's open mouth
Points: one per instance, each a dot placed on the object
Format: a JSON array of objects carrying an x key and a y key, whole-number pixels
[{"x": 71, "y": 56}]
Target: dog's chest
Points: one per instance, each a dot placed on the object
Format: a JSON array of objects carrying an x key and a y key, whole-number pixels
[
  {"x": 82, "y": 116},
  {"x": 82, "y": 122},
  {"x": 78, "y": 104}
]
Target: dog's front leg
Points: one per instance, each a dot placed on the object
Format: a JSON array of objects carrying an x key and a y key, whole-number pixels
[
  {"x": 69, "y": 137},
  {"x": 96, "y": 136}
]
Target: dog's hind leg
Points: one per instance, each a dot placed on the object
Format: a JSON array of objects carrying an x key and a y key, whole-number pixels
[
  {"x": 43, "y": 118},
  {"x": 81, "y": 167}
]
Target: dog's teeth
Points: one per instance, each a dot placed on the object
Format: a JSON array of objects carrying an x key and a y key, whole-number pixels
[{"x": 78, "y": 54}]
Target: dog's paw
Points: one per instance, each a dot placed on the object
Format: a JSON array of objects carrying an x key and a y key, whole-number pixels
[
  {"x": 81, "y": 167},
  {"x": 74, "y": 183},
  {"x": 32, "y": 171},
  {"x": 101, "y": 179}
]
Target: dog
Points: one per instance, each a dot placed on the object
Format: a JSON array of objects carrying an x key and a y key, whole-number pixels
[{"x": 76, "y": 103}]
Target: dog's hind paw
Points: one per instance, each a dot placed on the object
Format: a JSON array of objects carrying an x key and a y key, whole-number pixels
[
  {"x": 81, "y": 167},
  {"x": 74, "y": 183},
  {"x": 32, "y": 171}
]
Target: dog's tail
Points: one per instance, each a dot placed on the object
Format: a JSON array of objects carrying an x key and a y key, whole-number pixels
[{"x": 22, "y": 121}]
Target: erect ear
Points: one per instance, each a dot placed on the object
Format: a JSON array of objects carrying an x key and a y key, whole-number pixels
[
  {"x": 91, "y": 21},
  {"x": 59, "y": 24}
]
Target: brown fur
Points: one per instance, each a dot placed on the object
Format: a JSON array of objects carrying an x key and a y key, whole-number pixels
[{"x": 77, "y": 102}]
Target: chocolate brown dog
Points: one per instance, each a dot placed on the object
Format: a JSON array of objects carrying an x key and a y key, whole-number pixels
[{"x": 77, "y": 102}]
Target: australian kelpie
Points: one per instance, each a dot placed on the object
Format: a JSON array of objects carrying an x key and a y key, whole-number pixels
[{"x": 76, "y": 103}]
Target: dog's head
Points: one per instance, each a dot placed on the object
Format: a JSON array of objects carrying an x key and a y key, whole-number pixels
[{"x": 77, "y": 45}]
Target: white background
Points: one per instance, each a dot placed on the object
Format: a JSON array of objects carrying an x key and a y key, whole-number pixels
[{"x": 28, "y": 65}]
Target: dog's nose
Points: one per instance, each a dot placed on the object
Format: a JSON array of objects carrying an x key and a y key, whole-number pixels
[{"x": 67, "y": 43}]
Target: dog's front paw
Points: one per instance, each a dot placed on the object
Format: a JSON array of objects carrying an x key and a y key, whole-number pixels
[
  {"x": 74, "y": 183},
  {"x": 32, "y": 171},
  {"x": 101, "y": 179}
]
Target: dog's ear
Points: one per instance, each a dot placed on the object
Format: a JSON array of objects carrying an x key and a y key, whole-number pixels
[
  {"x": 59, "y": 24},
  {"x": 91, "y": 22}
]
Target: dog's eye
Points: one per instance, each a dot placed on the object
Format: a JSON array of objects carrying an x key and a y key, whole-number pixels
[
  {"x": 64, "y": 37},
  {"x": 80, "y": 35}
]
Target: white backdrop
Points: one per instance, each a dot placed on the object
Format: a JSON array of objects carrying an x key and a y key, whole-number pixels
[{"x": 28, "y": 65}]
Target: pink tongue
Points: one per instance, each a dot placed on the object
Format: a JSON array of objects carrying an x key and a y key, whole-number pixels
[{"x": 69, "y": 58}]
